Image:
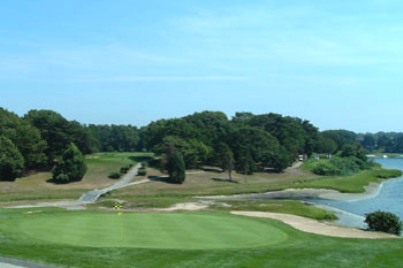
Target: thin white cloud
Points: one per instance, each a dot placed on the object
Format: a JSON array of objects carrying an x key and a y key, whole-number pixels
[{"x": 162, "y": 78}]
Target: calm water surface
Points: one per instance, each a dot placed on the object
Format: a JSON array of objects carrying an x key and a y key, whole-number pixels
[{"x": 388, "y": 198}]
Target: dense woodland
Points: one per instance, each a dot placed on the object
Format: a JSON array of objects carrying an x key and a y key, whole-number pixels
[{"x": 245, "y": 142}]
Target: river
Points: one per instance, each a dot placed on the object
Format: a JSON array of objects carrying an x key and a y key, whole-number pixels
[{"x": 389, "y": 197}]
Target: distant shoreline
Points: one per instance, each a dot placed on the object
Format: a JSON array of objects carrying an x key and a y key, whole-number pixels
[{"x": 372, "y": 190}]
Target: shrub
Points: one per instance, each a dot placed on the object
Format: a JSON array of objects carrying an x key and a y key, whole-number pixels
[
  {"x": 142, "y": 172},
  {"x": 326, "y": 169},
  {"x": 144, "y": 164},
  {"x": 124, "y": 170},
  {"x": 114, "y": 175},
  {"x": 337, "y": 166},
  {"x": 384, "y": 222}
]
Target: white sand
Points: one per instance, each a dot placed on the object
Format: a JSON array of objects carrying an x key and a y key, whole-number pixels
[{"x": 316, "y": 227}]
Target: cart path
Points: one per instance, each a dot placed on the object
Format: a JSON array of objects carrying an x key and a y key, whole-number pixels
[{"x": 126, "y": 180}]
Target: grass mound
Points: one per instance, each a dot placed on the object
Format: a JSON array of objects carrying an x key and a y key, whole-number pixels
[{"x": 150, "y": 230}]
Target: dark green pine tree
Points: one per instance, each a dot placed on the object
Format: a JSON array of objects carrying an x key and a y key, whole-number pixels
[
  {"x": 71, "y": 167},
  {"x": 175, "y": 165}
]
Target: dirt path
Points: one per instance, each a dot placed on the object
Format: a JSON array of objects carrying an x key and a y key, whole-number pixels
[{"x": 316, "y": 227}]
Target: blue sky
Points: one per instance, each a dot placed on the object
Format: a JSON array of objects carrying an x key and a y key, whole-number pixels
[{"x": 338, "y": 64}]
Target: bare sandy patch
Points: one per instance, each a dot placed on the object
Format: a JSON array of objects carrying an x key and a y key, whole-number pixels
[
  {"x": 193, "y": 206},
  {"x": 316, "y": 227},
  {"x": 66, "y": 204}
]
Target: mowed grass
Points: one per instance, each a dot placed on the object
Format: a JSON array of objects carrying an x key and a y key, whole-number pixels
[
  {"x": 149, "y": 230},
  {"x": 36, "y": 186},
  {"x": 244, "y": 242}
]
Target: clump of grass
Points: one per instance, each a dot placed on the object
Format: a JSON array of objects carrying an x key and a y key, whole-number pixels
[{"x": 388, "y": 173}]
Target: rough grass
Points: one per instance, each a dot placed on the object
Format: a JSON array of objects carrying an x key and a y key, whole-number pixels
[
  {"x": 199, "y": 182},
  {"x": 37, "y": 187},
  {"x": 298, "y": 250}
]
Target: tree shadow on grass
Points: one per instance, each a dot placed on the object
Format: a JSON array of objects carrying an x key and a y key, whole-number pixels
[
  {"x": 141, "y": 158},
  {"x": 225, "y": 180},
  {"x": 165, "y": 179},
  {"x": 59, "y": 182}
]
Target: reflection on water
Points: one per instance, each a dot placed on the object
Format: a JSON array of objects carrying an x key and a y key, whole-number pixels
[{"x": 389, "y": 198}]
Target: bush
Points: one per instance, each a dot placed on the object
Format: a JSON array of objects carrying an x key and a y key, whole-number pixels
[
  {"x": 326, "y": 169},
  {"x": 337, "y": 166},
  {"x": 124, "y": 170},
  {"x": 144, "y": 164},
  {"x": 114, "y": 175},
  {"x": 384, "y": 222},
  {"x": 142, "y": 172}
]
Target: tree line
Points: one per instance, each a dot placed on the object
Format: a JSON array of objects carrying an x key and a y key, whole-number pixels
[
  {"x": 246, "y": 142},
  {"x": 39, "y": 139},
  {"x": 381, "y": 142}
]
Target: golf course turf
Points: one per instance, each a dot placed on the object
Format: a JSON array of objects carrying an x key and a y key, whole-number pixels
[
  {"x": 93, "y": 239},
  {"x": 149, "y": 230}
]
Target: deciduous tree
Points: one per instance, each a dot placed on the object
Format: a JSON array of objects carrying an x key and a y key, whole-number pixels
[{"x": 11, "y": 160}]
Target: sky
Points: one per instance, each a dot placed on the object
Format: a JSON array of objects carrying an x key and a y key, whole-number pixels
[{"x": 338, "y": 64}]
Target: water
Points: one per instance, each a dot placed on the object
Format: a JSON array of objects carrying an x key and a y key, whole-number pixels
[{"x": 388, "y": 198}]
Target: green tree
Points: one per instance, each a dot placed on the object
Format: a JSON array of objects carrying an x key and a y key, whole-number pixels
[
  {"x": 244, "y": 162},
  {"x": 59, "y": 133},
  {"x": 340, "y": 137},
  {"x": 25, "y": 137},
  {"x": 71, "y": 167},
  {"x": 225, "y": 158},
  {"x": 253, "y": 147},
  {"x": 175, "y": 165},
  {"x": 384, "y": 222},
  {"x": 11, "y": 160}
]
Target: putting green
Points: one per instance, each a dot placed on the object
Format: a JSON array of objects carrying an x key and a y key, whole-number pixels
[{"x": 150, "y": 230}]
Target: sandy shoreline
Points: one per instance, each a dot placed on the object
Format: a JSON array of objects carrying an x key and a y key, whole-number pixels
[{"x": 371, "y": 191}]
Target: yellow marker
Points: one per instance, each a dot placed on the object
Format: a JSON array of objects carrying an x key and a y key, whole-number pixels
[{"x": 118, "y": 207}]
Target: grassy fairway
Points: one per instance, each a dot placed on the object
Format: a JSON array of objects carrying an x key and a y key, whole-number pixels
[
  {"x": 149, "y": 230},
  {"x": 220, "y": 240}
]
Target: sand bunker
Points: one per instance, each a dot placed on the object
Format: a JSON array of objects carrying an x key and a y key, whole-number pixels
[{"x": 316, "y": 227}]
